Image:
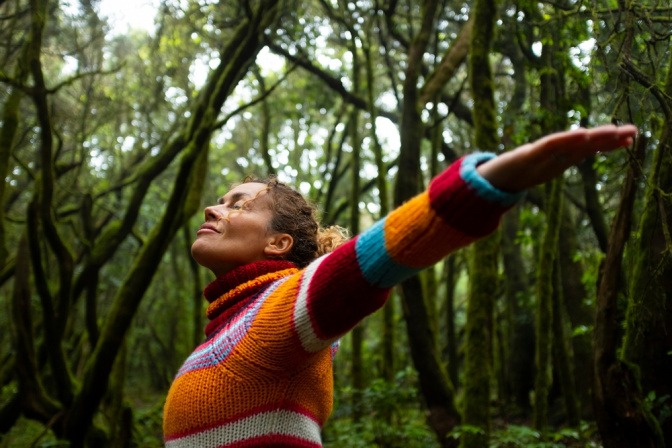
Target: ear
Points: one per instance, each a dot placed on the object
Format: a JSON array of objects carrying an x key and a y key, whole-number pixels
[{"x": 278, "y": 245}]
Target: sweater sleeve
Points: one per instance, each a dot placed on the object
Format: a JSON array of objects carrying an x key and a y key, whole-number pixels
[{"x": 341, "y": 288}]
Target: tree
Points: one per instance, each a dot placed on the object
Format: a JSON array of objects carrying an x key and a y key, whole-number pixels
[
  {"x": 75, "y": 402},
  {"x": 483, "y": 278}
]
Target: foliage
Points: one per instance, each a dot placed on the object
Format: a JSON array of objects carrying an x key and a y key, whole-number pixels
[
  {"x": 407, "y": 428},
  {"x": 27, "y": 433},
  {"x": 513, "y": 436}
]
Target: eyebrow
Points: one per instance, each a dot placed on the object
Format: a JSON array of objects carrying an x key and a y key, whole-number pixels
[{"x": 233, "y": 198}]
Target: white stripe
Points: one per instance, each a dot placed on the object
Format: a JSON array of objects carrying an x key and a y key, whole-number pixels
[
  {"x": 302, "y": 321},
  {"x": 280, "y": 422}
]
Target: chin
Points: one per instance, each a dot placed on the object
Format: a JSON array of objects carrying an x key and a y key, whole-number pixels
[{"x": 199, "y": 252}]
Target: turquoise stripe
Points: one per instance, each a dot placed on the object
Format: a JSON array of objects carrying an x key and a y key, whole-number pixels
[
  {"x": 377, "y": 266},
  {"x": 484, "y": 188}
]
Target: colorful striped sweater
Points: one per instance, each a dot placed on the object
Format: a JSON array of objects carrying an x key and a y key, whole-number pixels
[{"x": 263, "y": 377}]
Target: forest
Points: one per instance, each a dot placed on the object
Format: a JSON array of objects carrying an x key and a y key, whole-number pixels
[{"x": 555, "y": 331}]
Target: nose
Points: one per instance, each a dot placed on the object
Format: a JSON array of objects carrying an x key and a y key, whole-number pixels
[{"x": 211, "y": 214}]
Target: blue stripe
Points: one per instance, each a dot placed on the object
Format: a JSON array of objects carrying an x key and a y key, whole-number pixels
[
  {"x": 377, "y": 266},
  {"x": 484, "y": 188}
]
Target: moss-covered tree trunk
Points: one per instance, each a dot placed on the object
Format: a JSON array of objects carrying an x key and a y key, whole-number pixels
[
  {"x": 518, "y": 322},
  {"x": 544, "y": 311},
  {"x": 9, "y": 121},
  {"x": 453, "y": 361},
  {"x": 388, "y": 367},
  {"x": 484, "y": 277},
  {"x": 32, "y": 397},
  {"x": 266, "y": 119},
  {"x": 553, "y": 101},
  {"x": 620, "y": 412},
  {"x": 562, "y": 349},
  {"x": 357, "y": 334},
  {"x": 435, "y": 386},
  {"x": 196, "y": 288},
  {"x": 517, "y": 319},
  {"x": 580, "y": 314},
  {"x": 648, "y": 337},
  {"x": 483, "y": 281}
]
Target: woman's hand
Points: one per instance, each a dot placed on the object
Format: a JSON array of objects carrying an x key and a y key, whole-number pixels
[{"x": 547, "y": 158}]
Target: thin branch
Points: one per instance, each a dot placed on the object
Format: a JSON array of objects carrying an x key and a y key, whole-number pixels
[
  {"x": 82, "y": 75},
  {"x": 254, "y": 102},
  {"x": 663, "y": 98}
]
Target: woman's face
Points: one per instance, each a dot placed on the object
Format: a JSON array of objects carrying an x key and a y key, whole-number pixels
[{"x": 237, "y": 231}]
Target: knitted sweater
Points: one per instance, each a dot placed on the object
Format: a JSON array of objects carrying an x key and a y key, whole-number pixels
[{"x": 263, "y": 377}]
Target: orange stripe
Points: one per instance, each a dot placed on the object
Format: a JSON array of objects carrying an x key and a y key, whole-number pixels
[{"x": 415, "y": 234}]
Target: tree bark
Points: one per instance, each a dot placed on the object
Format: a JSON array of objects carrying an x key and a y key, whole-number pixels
[
  {"x": 434, "y": 383},
  {"x": 33, "y": 400},
  {"x": 451, "y": 331},
  {"x": 544, "y": 312},
  {"x": 562, "y": 349},
  {"x": 483, "y": 279},
  {"x": 580, "y": 313},
  {"x": 518, "y": 321},
  {"x": 357, "y": 334},
  {"x": 593, "y": 207},
  {"x": 649, "y": 313},
  {"x": 649, "y": 317},
  {"x": 621, "y": 416}
]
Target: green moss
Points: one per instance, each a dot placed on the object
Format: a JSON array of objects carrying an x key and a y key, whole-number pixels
[{"x": 29, "y": 433}]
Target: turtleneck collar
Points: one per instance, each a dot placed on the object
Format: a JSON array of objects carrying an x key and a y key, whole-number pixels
[{"x": 226, "y": 294}]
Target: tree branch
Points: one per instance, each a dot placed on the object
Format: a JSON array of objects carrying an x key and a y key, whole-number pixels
[{"x": 451, "y": 61}]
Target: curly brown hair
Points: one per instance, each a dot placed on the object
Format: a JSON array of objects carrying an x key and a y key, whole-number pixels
[{"x": 296, "y": 216}]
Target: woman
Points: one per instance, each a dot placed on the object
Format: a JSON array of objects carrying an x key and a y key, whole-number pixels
[{"x": 263, "y": 377}]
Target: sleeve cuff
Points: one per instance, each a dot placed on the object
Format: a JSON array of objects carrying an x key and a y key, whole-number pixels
[{"x": 483, "y": 188}]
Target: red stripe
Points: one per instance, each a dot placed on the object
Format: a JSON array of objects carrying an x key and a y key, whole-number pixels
[
  {"x": 337, "y": 281},
  {"x": 273, "y": 441},
  {"x": 460, "y": 206}
]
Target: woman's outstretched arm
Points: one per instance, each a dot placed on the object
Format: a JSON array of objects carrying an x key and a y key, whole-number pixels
[
  {"x": 462, "y": 204},
  {"x": 546, "y": 158}
]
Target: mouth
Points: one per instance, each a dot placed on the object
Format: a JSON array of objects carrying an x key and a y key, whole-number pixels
[{"x": 207, "y": 228}]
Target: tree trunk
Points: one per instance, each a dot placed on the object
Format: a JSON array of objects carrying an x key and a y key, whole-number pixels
[
  {"x": 562, "y": 350},
  {"x": 451, "y": 332},
  {"x": 518, "y": 321},
  {"x": 388, "y": 367},
  {"x": 622, "y": 418},
  {"x": 593, "y": 208},
  {"x": 434, "y": 383},
  {"x": 264, "y": 132},
  {"x": 483, "y": 281},
  {"x": 32, "y": 397},
  {"x": 544, "y": 313},
  {"x": 649, "y": 317},
  {"x": 357, "y": 334},
  {"x": 579, "y": 312},
  {"x": 483, "y": 278}
]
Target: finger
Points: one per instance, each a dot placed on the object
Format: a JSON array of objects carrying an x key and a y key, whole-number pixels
[
  {"x": 579, "y": 143},
  {"x": 609, "y": 137}
]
